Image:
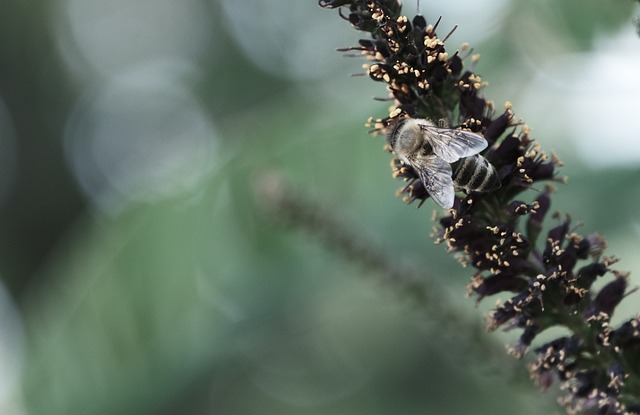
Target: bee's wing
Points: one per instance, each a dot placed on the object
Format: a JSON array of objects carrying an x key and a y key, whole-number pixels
[
  {"x": 452, "y": 145},
  {"x": 435, "y": 174}
]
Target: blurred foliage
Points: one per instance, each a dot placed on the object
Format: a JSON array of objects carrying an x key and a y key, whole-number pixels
[
  {"x": 200, "y": 302},
  {"x": 43, "y": 199}
]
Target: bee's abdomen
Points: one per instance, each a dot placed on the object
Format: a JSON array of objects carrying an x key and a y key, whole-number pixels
[{"x": 475, "y": 174}]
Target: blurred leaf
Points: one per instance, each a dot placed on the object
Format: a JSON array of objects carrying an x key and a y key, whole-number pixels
[
  {"x": 585, "y": 20},
  {"x": 124, "y": 315}
]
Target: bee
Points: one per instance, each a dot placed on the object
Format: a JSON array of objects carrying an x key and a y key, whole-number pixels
[{"x": 445, "y": 159}]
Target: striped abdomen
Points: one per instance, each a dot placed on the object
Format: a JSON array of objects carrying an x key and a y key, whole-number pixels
[{"x": 475, "y": 174}]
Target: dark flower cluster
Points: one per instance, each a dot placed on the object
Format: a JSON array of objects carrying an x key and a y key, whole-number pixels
[{"x": 549, "y": 270}]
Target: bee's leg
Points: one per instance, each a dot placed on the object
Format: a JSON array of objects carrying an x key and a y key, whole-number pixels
[{"x": 442, "y": 123}]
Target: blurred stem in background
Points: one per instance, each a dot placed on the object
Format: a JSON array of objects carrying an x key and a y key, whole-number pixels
[{"x": 424, "y": 292}]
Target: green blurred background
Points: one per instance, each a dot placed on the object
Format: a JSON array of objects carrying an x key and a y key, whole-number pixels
[{"x": 142, "y": 275}]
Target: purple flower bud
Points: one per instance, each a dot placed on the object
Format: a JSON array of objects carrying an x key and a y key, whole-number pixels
[
  {"x": 610, "y": 296},
  {"x": 499, "y": 283},
  {"x": 498, "y": 127}
]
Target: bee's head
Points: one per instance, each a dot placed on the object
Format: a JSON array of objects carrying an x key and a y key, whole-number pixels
[
  {"x": 393, "y": 130},
  {"x": 407, "y": 136}
]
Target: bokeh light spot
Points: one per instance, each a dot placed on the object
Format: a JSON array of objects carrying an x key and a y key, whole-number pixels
[{"x": 137, "y": 140}]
